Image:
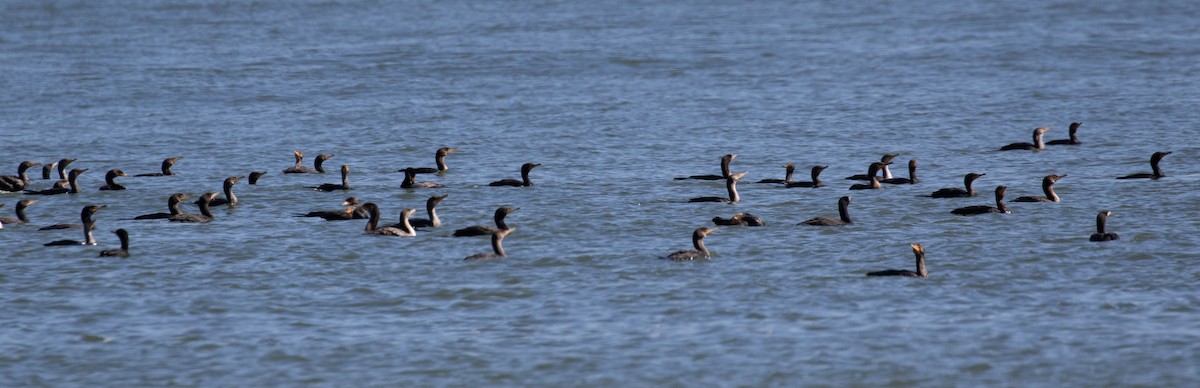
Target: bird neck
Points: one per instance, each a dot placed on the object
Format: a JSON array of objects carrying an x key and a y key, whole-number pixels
[{"x": 497, "y": 244}]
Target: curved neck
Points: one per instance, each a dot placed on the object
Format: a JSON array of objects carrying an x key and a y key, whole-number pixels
[
  {"x": 173, "y": 206},
  {"x": 844, "y": 212},
  {"x": 816, "y": 177},
  {"x": 497, "y": 246},
  {"x": 500, "y": 221},
  {"x": 166, "y": 168},
  {"x": 318, "y": 164},
  {"x": 204, "y": 209},
  {"x": 21, "y": 214},
  {"x": 698, "y": 243},
  {"x": 1048, "y": 189},
  {"x": 229, "y": 194},
  {"x": 407, "y": 227},
  {"x": 731, "y": 187},
  {"x": 787, "y": 177},
  {"x": 887, "y": 172},
  {"x": 373, "y": 220},
  {"x": 409, "y": 180},
  {"x": 525, "y": 177},
  {"x": 46, "y": 170},
  {"x": 62, "y": 171},
  {"x": 431, "y": 209},
  {"x": 1037, "y": 141},
  {"x": 875, "y": 183},
  {"x": 725, "y": 166},
  {"x": 74, "y": 185},
  {"x": 1000, "y": 204},
  {"x": 1157, "y": 171},
  {"x": 110, "y": 180},
  {"x": 441, "y": 162},
  {"x": 921, "y": 265},
  {"x": 968, "y": 181}
]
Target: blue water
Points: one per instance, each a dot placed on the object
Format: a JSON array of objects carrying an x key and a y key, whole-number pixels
[{"x": 614, "y": 99}]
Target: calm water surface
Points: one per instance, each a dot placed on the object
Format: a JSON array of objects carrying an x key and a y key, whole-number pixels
[{"x": 615, "y": 99}]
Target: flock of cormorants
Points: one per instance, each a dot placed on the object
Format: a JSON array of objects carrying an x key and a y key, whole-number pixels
[{"x": 877, "y": 174}]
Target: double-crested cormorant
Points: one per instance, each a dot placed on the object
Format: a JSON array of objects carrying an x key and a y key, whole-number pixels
[
  {"x": 431, "y": 209},
  {"x": 730, "y": 187},
  {"x": 73, "y": 180},
  {"x": 1036, "y": 145},
  {"x": 789, "y": 169},
  {"x": 124, "y": 251},
  {"x": 60, "y": 187},
  {"x": 912, "y": 175},
  {"x": 525, "y": 168},
  {"x": 480, "y": 230},
  {"x": 85, "y": 215},
  {"x": 1100, "y": 235},
  {"x": 1072, "y": 141},
  {"x": 204, "y": 216},
  {"x": 1154, "y": 159},
  {"x": 740, "y": 219},
  {"x": 351, "y": 212},
  {"x": 173, "y": 207},
  {"x": 497, "y": 247},
  {"x": 954, "y": 192},
  {"x": 20, "y": 181},
  {"x": 439, "y": 157},
  {"x": 725, "y": 160},
  {"x": 886, "y": 159},
  {"x": 227, "y": 187},
  {"x": 110, "y": 180},
  {"x": 89, "y": 224},
  {"x": 1047, "y": 188},
  {"x": 816, "y": 179},
  {"x": 843, "y": 215},
  {"x": 919, "y": 251},
  {"x": 166, "y": 167},
  {"x": 373, "y": 227},
  {"x": 410, "y": 181},
  {"x": 333, "y": 186},
  {"x": 299, "y": 168},
  {"x": 254, "y": 175},
  {"x": 20, "y": 210},
  {"x": 984, "y": 209},
  {"x": 62, "y": 167},
  {"x": 47, "y": 169},
  {"x": 701, "y": 252},
  {"x": 871, "y": 173}
]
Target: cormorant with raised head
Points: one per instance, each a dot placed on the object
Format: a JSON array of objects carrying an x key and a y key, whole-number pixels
[
  {"x": 110, "y": 180},
  {"x": 912, "y": 175},
  {"x": 345, "y": 185},
  {"x": 405, "y": 230},
  {"x": 1100, "y": 234},
  {"x": 921, "y": 272},
  {"x": 984, "y": 209},
  {"x": 789, "y": 169},
  {"x": 497, "y": 247},
  {"x": 1047, "y": 188},
  {"x": 725, "y": 160},
  {"x": 227, "y": 187},
  {"x": 124, "y": 251},
  {"x": 166, "y": 167},
  {"x": 480, "y": 230},
  {"x": 204, "y": 216},
  {"x": 843, "y": 215},
  {"x": 700, "y": 251},
  {"x": 816, "y": 179},
  {"x": 1154, "y": 159},
  {"x": 954, "y": 192},
  {"x": 89, "y": 224},
  {"x": 439, "y": 158},
  {"x": 430, "y": 208},
  {"x": 254, "y": 175},
  {"x": 1036, "y": 145},
  {"x": 886, "y": 159},
  {"x": 173, "y": 207},
  {"x": 872, "y": 170},
  {"x": 1073, "y": 140},
  {"x": 525, "y": 169},
  {"x": 20, "y": 210},
  {"x": 18, "y": 182},
  {"x": 730, "y": 187}
]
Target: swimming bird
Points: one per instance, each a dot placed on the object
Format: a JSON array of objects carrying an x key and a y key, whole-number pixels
[
  {"x": 525, "y": 168},
  {"x": 816, "y": 179},
  {"x": 17, "y": 183},
  {"x": 954, "y": 192},
  {"x": 921, "y": 272},
  {"x": 725, "y": 160},
  {"x": 886, "y": 159},
  {"x": 984, "y": 209},
  {"x": 405, "y": 230},
  {"x": 299, "y": 168},
  {"x": 254, "y": 175},
  {"x": 912, "y": 175},
  {"x": 20, "y": 210},
  {"x": 110, "y": 180},
  {"x": 333, "y": 186},
  {"x": 1073, "y": 140},
  {"x": 227, "y": 187},
  {"x": 789, "y": 169},
  {"x": 124, "y": 251},
  {"x": 205, "y": 215},
  {"x": 62, "y": 167},
  {"x": 439, "y": 158},
  {"x": 1047, "y": 188},
  {"x": 872, "y": 170},
  {"x": 351, "y": 212},
  {"x": 1154, "y": 159},
  {"x": 843, "y": 215},
  {"x": 431, "y": 209},
  {"x": 174, "y": 201},
  {"x": 1036, "y": 145},
  {"x": 1100, "y": 235},
  {"x": 497, "y": 247},
  {"x": 410, "y": 181},
  {"x": 740, "y": 219},
  {"x": 60, "y": 187},
  {"x": 166, "y": 167},
  {"x": 85, "y": 215},
  {"x": 730, "y": 187},
  {"x": 88, "y": 223},
  {"x": 480, "y": 230},
  {"x": 47, "y": 169},
  {"x": 700, "y": 251}
]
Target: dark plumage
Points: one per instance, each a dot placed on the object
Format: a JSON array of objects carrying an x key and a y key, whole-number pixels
[
  {"x": 205, "y": 215},
  {"x": 984, "y": 209},
  {"x": 700, "y": 251},
  {"x": 166, "y": 168},
  {"x": 725, "y": 171},
  {"x": 226, "y": 187},
  {"x": 730, "y": 188},
  {"x": 1047, "y": 188},
  {"x": 816, "y": 178},
  {"x": 18, "y": 182},
  {"x": 921, "y": 272},
  {"x": 20, "y": 210},
  {"x": 912, "y": 175},
  {"x": 1100, "y": 234},
  {"x": 1154, "y": 159},
  {"x": 525, "y": 169},
  {"x": 497, "y": 247},
  {"x": 110, "y": 182},
  {"x": 843, "y": 215},
  {"x": 1073, "y": 140},
  {"x": 740, "y": 219},
  {"x": 1035, "y": 146},
  {"x": 789, "y": 169},
  {"x": 405, "y": 230},
  {"x": 351, "y": 212},
  {"x": 431, "y": 209},
  {"x": 480, "y": 230},
  {"x": 174, "y": 201},
  {"x": 345, "y": 185},
  {"x": 886, "y": 159},
  {"x": 124, "y": 251},
  {"x": 953, "y": 192}
]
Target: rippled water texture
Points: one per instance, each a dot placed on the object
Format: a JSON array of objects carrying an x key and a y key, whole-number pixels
[{"x": 614, "y": 99}]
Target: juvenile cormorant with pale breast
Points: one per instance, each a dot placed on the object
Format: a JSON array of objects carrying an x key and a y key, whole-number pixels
[
  {"x": 124, "y": 251},
  {"x": 439, "y": 158},
  {"x": 954, "y": 192},
  {"x": 700, "y": 251},
  {"x": 62, "y": 167},
  {"x": 1037, "y": 144},
  {"x": 525, "y": 169},
  {"x": 730, "y": 188},
  {"x": 843, "y": 215},
  {"x": 480, "y": 230},
  {"x": 872, "y": 170},
  {"x": 886, "y": 159},
  {"x": 166, "y": 167},
  {"x": 921, "y": 272},
  {"x": 430, "y": 208},
  {"x": 19, "y": 182},
  {"x": 984, "y": 209},
  {"x": 1100, "y": 234},
  {"x": 1047, "y": 188},
  {"x": 725, "y": 160},
  {"x": 1154, "y": 159},
  {"x": 1073, "y": 140},
  {"x": 405, "y": 230},
  {"x": 89, "y": 224},
  {"x": 227, "y": 187},
  {"x": 497, "y": 247}
]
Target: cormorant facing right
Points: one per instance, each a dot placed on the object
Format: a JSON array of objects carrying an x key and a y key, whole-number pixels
[
  {"x": 730, "y": 187},
  {"x": 1047, "y": 188},
  {"x": 405, "y": 230},
  {"x": 439, "y": 158},
  {"x": 89, "y": 224},
  {"x": 20, "y": 210},
  {"x": 480, "y": 230},
  {"x": 254, "y": 175},
  {"x": 1072, "y": 141},
  {"x": 1036, "y": 145},
  {"x": 700, "y": 251},
  {"x": 954, "y": 192},
  {"x": 1100, "y": 235},
  {"x": 525, "y": 169},
  {"x": 333, "y": 186},
  {"x": 227, "y": 187},
  {"x": 816, "y": 179},
  {"x": 886, "y": 159},
  {"x": 431, "y": 209},
  {"x": 17, "y": 183},
  {"x": 497, "y": 247},
  {"x": 110, "y": 180},
  {"x": 984, "y": 209},
  {"x": 725, "y": 160},
  {"x": 62, "y": 167},
  {"x": 1154, "y": 159},
  {"x": 789, "y": 169},
  {"x": 60, "y": 187},
  {"x": 871, "y": 171},
  {"x": 919, "y": 251},
  {"x": 204, "y": 216},
  {"x": 166, "y": 167},
  {"x": 740, "y": 219},
  {"x": 173, "y": 203},
  {"x": 351, "y": 212},
  {"x": 912, "y": 175},
  {"x": 299, "y": 168},
  {"x": 124, "y": 251},
  {"x": 843, "y": 215}
]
